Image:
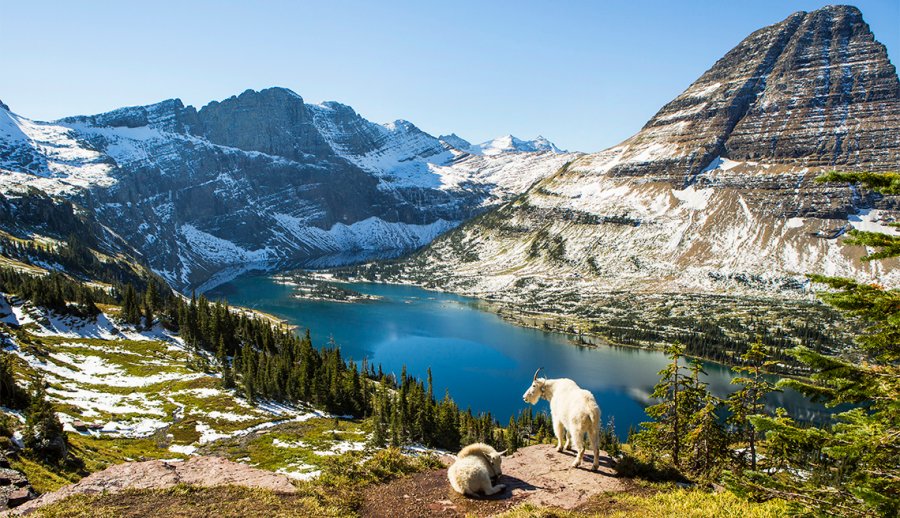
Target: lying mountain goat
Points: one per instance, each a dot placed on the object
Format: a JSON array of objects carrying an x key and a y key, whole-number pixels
[
  {"x": 476, "y": 468},
  {"x": 574, "y": 412}
]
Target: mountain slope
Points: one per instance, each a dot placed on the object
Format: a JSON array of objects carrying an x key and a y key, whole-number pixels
[
  {"x": 716, "y": 193},
  {"x": 259, "y": 179}
]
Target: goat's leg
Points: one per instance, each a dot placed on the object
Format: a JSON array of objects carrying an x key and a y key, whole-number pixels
[
  {"x": 578, "y": 440},
  {"x": 494, "y": 489},
  {"x": 560, "y": 432}
]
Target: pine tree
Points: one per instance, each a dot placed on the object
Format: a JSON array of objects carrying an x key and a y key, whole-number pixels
[
  {"x": 853, "y": 467},
  {"x": 512, "y": 436},
  {"x": 44, "y": 435},
  {"x": 224, "y": 365},
  {"x": 749, "y": 399},
  {"x": 131, "y": 310},
  {"x": 667, "y": 431},
  {"x": 706, "y": 441},
  {"x": 11, "y": 395}
]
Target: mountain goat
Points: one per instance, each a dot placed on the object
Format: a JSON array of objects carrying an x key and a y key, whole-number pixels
[
  {"x": 574, "y": 412},
  {"x": 476, "y": 469}
]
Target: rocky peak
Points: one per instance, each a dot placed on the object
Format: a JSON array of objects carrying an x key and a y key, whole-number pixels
[
  {"x": 511, "y": 144},
  {"x": 168, "y": 115},
  {"x": 455, "y": 141},
  {"x": 3, "y": 106},
  {"x": 368, "y": 144},
  {"x": 786, "y": 94},
  {"x": 274, "y": 121}
]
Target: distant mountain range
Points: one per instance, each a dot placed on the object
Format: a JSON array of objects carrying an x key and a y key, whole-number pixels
[
  {"x": 262, "y": 179},
  {"x": 716, "y": 194}
]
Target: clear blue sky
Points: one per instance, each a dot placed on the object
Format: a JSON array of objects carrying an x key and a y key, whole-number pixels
[{"x": 583, "y": 74}]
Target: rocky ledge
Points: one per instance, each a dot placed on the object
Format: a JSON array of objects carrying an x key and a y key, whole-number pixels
[
  {"x": 15, "y": 489},
  {"x": 157, "y": 474}
]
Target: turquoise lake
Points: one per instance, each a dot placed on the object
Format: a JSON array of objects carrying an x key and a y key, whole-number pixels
[{"x": 485, "y": 362}]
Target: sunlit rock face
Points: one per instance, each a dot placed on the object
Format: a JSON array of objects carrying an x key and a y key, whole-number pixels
[
  {"x": 716, "y": 193},
  {"x": 259, "y": 179}
]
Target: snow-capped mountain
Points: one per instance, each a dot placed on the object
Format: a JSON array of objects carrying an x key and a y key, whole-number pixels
[
  {"x": 716, "y": 194},
  {"x": 502, "y": 145},
  {"x": 258, "y": 179}
]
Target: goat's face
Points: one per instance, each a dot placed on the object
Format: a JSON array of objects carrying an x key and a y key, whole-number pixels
[
  {"x": 534, "y": 392},
  {"x": 495, "y": 459}
]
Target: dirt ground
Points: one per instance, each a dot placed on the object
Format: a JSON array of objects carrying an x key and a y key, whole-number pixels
[{"x": 537, "y": 474}]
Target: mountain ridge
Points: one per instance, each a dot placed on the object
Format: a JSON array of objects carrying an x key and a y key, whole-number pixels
[
  {"x": 693, "y": 203},
  {"x": 258, "y": 179}
]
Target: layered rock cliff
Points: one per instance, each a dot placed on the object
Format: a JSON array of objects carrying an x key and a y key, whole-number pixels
[{"x": 716, "y": 193}]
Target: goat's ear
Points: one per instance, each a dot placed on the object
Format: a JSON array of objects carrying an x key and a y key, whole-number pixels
[{"x": 502, "y": 452}]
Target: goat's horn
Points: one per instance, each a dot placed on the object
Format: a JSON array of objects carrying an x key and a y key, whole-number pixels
[{"x": 536, "y": 373}]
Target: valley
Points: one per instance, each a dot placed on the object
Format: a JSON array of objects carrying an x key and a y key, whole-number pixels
[{"x": 264, "y": 288}]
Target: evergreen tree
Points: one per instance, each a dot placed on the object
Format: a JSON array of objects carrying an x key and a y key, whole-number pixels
[
  {"x": 44, "y": 435},
  {"x": 224, "y": 365},
  {"x": 11, "y": 395},
  {"x": 853, "y": 466},
  {"x": 749, "y": 399},
  {"x": 706, "y": 441},
  {"x": 671, "y": 415},
  {"x": 512, "y": 435},
  {"x": 131, "y": 310}
]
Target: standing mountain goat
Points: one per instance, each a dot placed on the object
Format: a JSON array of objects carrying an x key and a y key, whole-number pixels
[
  {"x": 476, "y": 468},
  {"x": 574, "y": 412}
]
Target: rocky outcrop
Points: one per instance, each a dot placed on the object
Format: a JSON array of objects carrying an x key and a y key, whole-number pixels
[
  {"x": 716, "y": 194},
  {"x": 274, "y": 121},
  {"x": 536, "y": 475},
  {"x": 15, "y": 489},
  {"x": 156, "y": 474}
]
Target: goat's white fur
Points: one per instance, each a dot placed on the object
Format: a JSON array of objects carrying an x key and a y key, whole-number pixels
[
  {"x": 475, "y": 466},
  {"x": 574, "y": 412}
]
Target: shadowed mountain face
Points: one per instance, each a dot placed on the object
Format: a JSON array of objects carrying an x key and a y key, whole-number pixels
[
  {"x": 716, "y": 193},
  {"x": 261, "y": 178}
]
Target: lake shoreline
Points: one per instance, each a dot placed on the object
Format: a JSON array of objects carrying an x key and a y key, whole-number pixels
[
  {"x": 568, "y": 325},
  {"x": 471, "y": 346}
]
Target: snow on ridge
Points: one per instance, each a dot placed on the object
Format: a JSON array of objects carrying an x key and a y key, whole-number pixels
[
  {"x": 511, "y": 144},
  {"x": 49, "y": 157},
  {"x": 693, "y": 198},
  {"x": 369, "y": 234},
  {"x": 871, "y": 220}
]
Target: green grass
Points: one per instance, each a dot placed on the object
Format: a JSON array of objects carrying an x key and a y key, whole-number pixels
[
  {"x": 315, "y": 435},
  {"x": 89, "y": 455},
  {"x": 658, "y": 501}
]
